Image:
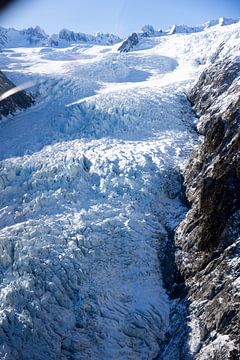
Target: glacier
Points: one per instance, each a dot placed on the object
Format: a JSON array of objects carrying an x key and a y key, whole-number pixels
[{"x": 90, "y": 180}]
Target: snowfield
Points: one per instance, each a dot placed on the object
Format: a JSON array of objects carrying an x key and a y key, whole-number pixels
[{"x": 90, "y": 186}]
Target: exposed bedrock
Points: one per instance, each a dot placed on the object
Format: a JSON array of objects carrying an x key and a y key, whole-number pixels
[
  {"x": 11, "y": 104},
  {"x": 129, "y": 43},
  {"x": 208, "y": 240}
]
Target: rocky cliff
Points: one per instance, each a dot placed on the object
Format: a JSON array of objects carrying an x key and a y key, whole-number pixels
[
  {"x": 11, "y": 104},
  {"x": 208, "y": 239},
  {"x": 129, "y": 43}
]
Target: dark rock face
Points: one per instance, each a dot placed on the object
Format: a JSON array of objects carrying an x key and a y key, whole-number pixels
[
  {"x": 19, "y": 100},
  {"x": 72, "y": 36},
  {"x": 3, "y": 37},
  {"x": 148, "y": 30},
  {"x": 35, "y": 35},
  {"x": 209, "y": 237},
  {"x": 129, "y": 43},
  {"x": 221, "y": 80}
]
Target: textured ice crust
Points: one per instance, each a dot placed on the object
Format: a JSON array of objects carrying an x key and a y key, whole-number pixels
[{"x": 89, "y": 182}]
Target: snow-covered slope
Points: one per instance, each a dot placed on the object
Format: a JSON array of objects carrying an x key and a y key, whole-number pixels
[
  {"x": 37, "y": 37},
  {"x": 90, "y": 188},
  {"x": 184, "y": 29},
  {"x": 14, "y": 38},
  {"x": 66, "y": 37},
  {"x": 149, "y": 31}
]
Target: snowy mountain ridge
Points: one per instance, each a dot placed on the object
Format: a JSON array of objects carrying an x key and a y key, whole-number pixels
[
  {"x": 38, "y": 37},
  {"x": 27, "y": 37},
  {"x": 148, "y": 30},
  {"x": 184, "y": 29},
  {"x": 66, "y": 37}
]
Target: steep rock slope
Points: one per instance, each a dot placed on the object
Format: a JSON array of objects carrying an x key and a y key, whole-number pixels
[
  {"x": 129, "y": 43},
  {"x": 19, "y": 100},
  {"x": 209, "y": 237}
]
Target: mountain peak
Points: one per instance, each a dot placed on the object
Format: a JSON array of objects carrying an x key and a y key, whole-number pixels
[
  {"x": 37, "y": 36},
  {"x": 220, "y": 21}
]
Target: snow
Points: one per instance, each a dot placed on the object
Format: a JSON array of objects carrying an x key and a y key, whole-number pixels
[
  {"x": 148, "y": 30},
  {"x": 90, "y": 183},
  {"x": 222, "y": 345},
  {"x": 15, "y": 38},
  {"x": 184, "y": 29},
  {"x": 66, "y": 36},
  {"x": 37, "y": 37}
]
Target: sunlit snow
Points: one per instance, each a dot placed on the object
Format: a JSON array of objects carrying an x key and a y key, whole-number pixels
[{"x": 90, "y": 183}]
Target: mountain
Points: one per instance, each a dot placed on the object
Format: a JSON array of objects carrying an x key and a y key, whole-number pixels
[
  {"x": 209, "y": 237},
  {"x": 67, "y": 37},
  {"x": 184, "y": 29},
  {"x": 119, "y": 198},
  {"x": 149, "y": 31},
  {"x": 37, "y": 37},
  {"x": 27, "y": 37}
]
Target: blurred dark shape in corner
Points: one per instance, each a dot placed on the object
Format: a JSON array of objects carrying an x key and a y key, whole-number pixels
[{"x": 5, "y": 3}]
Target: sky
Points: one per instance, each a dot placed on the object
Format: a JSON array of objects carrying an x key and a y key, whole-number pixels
[{"x": 120, "y": 17}]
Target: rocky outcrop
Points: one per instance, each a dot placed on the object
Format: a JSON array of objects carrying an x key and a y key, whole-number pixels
[
  {"x": 129, "y": 43},
  {"x": 209, "y": 238},
  {"x": 11, "y": 104},
  {"x": 148, "y": 30}
]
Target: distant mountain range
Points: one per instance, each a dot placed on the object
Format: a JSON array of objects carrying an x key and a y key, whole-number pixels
[
  {"x": 38, "y": 37},
  {"x": 149, "y": 31}
]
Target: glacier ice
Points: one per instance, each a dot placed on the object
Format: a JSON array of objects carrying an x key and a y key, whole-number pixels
[{"x": 89, "y": 180}]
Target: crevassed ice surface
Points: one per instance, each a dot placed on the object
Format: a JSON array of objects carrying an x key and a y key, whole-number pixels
[{"x": 89, "y": 180}]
